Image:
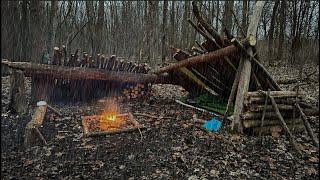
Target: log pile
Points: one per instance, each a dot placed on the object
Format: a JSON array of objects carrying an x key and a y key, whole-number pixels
[{"x": 260, "y": 117}]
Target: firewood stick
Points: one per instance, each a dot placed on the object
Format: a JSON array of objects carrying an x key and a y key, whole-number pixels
[
  {"x": 257, "y": 123},
  {"x": 264, "y": 111},
  {"x": 307, "y": 125},
  {"x": 54, "y": 110},
  {"x": 260, "y": 108},
  {"x": 274, "y": 94},
  {"x": 284, "y": 124}
]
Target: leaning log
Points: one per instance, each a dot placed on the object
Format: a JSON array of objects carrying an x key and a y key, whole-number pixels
[
  {"x": 284, "y": 125},
  {"x": 212, "y": 56},
  {"x": 307, "y": 125},
  {"x": 32, "y": 69}
]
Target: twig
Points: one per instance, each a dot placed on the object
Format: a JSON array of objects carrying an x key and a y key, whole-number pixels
[
  {"x": 77, "y": 33},
  {"x": 140, "y": 134}
]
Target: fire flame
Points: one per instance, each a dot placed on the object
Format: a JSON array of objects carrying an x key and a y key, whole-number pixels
[{"x": 109, "y": 118}]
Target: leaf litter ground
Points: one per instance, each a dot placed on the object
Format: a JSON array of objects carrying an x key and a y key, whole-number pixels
[{"x": 170, "y": 148}]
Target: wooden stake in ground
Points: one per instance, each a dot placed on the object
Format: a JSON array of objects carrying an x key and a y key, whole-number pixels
[
  {"x": 246, "y": 70},
  {"x": 307, "y": 125},
  {"x": 31, "y": 130},
  {"x": 18, "y": 101}
]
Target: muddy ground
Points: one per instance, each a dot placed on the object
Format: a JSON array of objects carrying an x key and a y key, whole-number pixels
[{"x": 170, "y": 147}]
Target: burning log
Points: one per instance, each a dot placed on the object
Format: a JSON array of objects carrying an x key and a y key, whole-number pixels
[
  {"x": 17, "y": 92},
  {"x": 32, "y": 132}
]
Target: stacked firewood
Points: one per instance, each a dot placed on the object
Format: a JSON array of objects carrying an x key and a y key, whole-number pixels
[
  {"x": 259, "y": 117},
  {"x": 139, "y": 90}
]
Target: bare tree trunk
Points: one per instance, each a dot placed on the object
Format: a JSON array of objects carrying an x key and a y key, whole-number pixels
[
  {"x": 172, "y": 23},
  {"x": 282, "y": 29},
  {"x": 90, "y": 16},
  {"x": 164, "y": 31},
  {"x": 37, "y": 40},
  {"x": 227, "y": 15},
  {"x": 24, "y": 31},
  {"x": 52, "y": 26},
  {"x": 99, "y": 29},
  {"x": 245, "y": 15},
  {"x": 271, "y": 31},
  {"x": 217, "y": 16}
]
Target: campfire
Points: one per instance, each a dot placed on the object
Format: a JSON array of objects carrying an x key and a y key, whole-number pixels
[{"x": 109, "y": 121}]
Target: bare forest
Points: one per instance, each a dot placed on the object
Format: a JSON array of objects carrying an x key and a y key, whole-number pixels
[{"x": 160, "y": 89}]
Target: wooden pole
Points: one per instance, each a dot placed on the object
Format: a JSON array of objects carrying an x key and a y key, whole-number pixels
[
  {"x": 284, "y": 124},
  {"x": 307, "y": 125},
  {"x": 234, "y": 88},
  {"x": 264, "y": 110},
  {"x": 246, "y": 70}
]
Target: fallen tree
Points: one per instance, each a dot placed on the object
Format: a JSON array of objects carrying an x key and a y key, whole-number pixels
[{"x": 65, "y": 72}]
